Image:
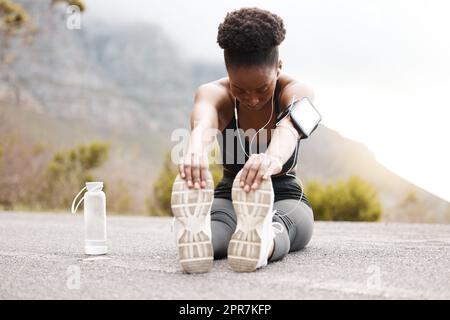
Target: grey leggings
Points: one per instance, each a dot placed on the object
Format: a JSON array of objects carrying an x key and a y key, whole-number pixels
[{"x": 297, "y": 226}]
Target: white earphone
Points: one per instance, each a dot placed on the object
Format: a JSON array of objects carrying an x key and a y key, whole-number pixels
[{"x": 251, "y": 141}]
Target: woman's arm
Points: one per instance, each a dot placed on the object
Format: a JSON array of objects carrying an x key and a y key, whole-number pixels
[
  {"x": 282, "y": 143},
  {"x": 204, "y": 121},
  {"x": 285, "y": 136}
]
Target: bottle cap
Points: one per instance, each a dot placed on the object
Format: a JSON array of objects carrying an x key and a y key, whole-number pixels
[
  {"x": 94, "y": 186},
  {"x": 90, "y": 186}
]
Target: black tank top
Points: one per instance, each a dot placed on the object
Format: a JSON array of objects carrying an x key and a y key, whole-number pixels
[{"x": 285, "y": 187}]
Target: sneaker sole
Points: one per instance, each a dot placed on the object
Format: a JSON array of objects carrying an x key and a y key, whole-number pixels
[
  {"x": 251, "y": 209},
  {"x": 191, "y": 208}
]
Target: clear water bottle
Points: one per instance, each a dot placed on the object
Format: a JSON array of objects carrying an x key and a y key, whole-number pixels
[{"x": 94, "y": 218}]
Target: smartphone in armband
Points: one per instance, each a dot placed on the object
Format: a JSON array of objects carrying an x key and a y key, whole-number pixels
[{"x": 304, "y": 116}]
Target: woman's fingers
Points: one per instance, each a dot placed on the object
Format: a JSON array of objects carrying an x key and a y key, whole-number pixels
[
  {"x": 258, "y": 168},
  {"x": 265, "y": 164},
  {"x": 251, "y": 177},
  {"x": 204, "y": 172},
  {"x": 187, "y": 170},
  {"x": 252, "y": 167},
  {"x": 196, "y": 170},
  {"x": 181, "y": 169},
  {"x": 244, "y": 172}
]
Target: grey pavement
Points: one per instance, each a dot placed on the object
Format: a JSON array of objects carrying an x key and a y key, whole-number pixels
[{"x": 41, "y": 257}]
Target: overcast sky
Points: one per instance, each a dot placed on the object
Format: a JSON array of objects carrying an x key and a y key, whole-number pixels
[{"x": 380, "y": 69}]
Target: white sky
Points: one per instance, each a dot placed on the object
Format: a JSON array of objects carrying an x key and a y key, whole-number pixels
[{"x": 380, "y": 69}]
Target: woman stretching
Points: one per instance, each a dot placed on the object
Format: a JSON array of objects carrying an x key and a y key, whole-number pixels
[{"x": 257, "y": 213}]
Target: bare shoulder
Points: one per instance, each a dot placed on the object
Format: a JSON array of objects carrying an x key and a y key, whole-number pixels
[
  {"x": 292, "y": 88},
  {"x": 216, "y": 93},
  {"x": 224, "y": 84}
]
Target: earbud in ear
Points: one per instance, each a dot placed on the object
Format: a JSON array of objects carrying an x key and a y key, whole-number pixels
[{"x": 280, "y": 65}]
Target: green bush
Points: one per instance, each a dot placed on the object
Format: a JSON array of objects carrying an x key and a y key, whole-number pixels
[
  {"x": 68, "y": 171},
  {"x": 351, "y": 200}
]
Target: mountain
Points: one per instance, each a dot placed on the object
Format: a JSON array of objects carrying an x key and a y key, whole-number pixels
[
  {"x": 328, "y": 156},
  {"x": 131, "y": 85}
]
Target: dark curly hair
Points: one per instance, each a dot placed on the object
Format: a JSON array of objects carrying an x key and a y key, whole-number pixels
[{"x": 250, "y": 37}]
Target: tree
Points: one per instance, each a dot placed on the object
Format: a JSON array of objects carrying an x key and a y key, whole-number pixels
[
  {"x": 12, "y": 18},
  {"x": 15, "y": 24},
  {"x": 351, "y": 200},
  {"x": 79, "y": 3}
]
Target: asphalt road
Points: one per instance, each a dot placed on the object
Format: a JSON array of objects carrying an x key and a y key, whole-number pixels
[{"x": 41, "y": 257}]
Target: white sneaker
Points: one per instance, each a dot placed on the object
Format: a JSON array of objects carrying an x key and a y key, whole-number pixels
[
  {"x": 192, "y": 221},
  {"x": 251, "y": 242}
]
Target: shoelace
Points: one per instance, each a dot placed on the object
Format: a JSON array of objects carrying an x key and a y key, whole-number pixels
[{"x": 275, "y": 229}]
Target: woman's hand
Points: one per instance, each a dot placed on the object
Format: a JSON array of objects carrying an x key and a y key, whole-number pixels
[
  {"x": 193, "y": 167},
  {"x": 257, "y": 168}
]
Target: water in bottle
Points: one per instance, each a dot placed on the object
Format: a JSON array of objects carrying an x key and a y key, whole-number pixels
[{"x": 94, "y": 218}]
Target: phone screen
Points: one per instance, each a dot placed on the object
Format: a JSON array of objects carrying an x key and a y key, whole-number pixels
[{"x": 306, "y": 115}]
